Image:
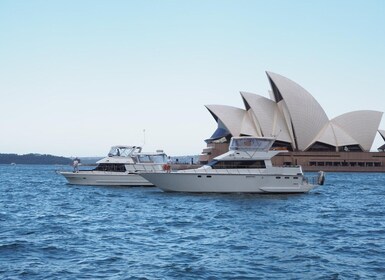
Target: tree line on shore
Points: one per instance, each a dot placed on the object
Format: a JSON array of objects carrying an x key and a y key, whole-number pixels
[{"x": 33, "y": 159}]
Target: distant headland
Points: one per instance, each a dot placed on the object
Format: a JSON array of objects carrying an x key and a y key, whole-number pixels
[{"x": 33, "y": 159}]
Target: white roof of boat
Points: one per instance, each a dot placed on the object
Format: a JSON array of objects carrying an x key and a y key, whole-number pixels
[{"x": 125, "y": 146}]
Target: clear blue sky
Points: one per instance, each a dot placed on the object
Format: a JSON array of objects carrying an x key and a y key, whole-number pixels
[{"x": 79, "y": 76}]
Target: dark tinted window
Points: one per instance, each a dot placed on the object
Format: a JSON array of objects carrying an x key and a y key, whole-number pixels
[
  {"x": 111, "y": 167},
  {"x": 237, "y": 164}
]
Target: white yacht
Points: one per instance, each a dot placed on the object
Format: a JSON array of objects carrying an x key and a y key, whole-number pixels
[
  {"x": 119, "y": 168},
  {"x": 245, "y": 168}
]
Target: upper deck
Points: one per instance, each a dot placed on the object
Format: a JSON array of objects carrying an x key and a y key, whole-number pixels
[{"x": 256, "y": 144}]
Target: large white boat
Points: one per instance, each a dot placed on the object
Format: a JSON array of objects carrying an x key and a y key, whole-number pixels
[
  {"x": 245, "y": 168},
  {"x": 120, "y": 168}
]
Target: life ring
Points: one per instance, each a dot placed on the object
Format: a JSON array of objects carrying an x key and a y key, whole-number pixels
[{"x": 166, "y": 167}]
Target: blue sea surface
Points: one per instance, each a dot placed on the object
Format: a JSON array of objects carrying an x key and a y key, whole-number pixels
[{"x": 52, "y": 230}]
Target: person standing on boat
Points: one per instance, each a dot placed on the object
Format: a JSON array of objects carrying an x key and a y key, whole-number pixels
[{"x": 76, "y": 165}]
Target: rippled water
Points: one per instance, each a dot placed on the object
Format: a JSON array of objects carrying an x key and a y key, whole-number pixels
[{"x": 49, "y": 229}]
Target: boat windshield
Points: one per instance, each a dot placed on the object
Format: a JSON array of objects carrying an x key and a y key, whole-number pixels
[
  {"x": 251, "y": 144},
  {"x": 156, "y": 158},
  {"x": 123, "y": 151}
]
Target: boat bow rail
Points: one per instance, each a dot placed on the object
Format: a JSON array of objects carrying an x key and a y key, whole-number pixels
[{"x": 239, "y": 171}]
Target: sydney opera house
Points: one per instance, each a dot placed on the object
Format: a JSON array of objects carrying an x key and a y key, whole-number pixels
[{"x": 301, "y": 127}]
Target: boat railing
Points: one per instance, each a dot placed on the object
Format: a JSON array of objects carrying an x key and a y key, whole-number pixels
[
  {"x": 268, "y": 170},
  {"x": 145, "y": 167},
  {"x": 238, "y": 171}
]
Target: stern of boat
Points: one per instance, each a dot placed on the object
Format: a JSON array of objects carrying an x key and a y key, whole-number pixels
[{"x": 317, "y": 180}]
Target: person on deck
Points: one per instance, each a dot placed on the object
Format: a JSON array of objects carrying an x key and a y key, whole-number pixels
[{"x": 76, "y": 165}]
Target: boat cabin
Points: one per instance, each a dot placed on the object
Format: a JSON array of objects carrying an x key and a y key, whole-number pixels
[
  {"x": 245, "y": 152},
  {"x": 130, "y": 158},
  {"x": 236, "y": 164}
]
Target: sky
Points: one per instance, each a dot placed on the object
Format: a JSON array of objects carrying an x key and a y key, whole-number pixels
[{"x": 77, "y": 77}]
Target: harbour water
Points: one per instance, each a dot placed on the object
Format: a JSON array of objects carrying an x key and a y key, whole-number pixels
[{"x": 52, "y": 230}]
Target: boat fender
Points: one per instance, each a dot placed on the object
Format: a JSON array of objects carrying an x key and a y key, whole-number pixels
[{"x": 321, "y": 178}]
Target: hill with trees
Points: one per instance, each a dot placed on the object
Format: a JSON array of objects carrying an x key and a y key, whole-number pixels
[{"x": 33, "y": 159}]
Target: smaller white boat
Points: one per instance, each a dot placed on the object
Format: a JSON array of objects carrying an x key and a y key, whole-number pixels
[
  {"x": 245, "y": 168},
  {"x": 120, "y": 168}
]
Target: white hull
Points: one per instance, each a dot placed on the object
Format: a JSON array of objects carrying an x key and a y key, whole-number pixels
[
  {"x": 245, "y": 168},
  {"x": 228, "y": 183},
  {"x": 101, "y": 178}
]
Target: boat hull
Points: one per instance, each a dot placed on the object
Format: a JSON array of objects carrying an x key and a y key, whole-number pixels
[
  {"x": 228, "y": 183},
  {"x": 100, "y": 178}
]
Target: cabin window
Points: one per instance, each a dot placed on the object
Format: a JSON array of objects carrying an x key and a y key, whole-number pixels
[
  {"x": 144, "y": 159},
  {"x": 157, "y": 158},
  {"x": 114, "y": 167},
  {"x": 237, "y": 164}
]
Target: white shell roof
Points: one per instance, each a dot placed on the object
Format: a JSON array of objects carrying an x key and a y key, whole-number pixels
[
  {"x": 293, "y": 113},
  {"x": 268, "y": 116},
  {"x": 307, "y": 116},
  {"x": 334, "y": 135},
  {"x": 248, "y": 127},
  {"x": 231, "y": 117},
  {"x": 360, "y": 125}
]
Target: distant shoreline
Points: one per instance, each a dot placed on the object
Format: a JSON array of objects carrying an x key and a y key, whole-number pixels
[
  {"x": 33, "y": 159},
  {"x": 59, "y": 160}
]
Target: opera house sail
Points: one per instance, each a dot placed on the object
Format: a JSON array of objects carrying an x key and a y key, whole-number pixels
[{"x": 299, "y": 124}]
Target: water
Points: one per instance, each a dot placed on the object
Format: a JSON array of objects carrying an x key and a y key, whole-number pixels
[{"x": 52, "y": 230}]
